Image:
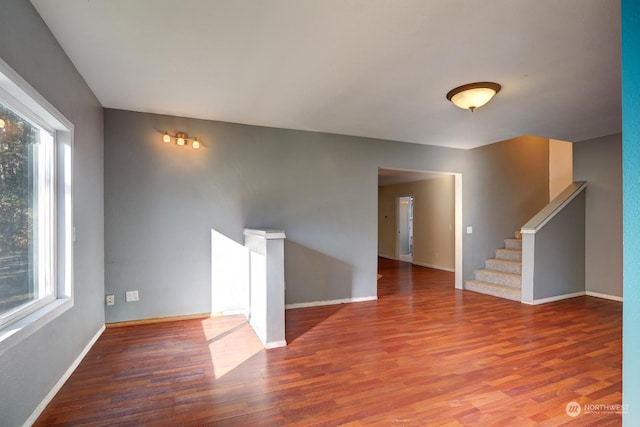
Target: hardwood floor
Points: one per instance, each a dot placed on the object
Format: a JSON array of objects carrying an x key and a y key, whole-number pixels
[{"x": 423, "y": 354}]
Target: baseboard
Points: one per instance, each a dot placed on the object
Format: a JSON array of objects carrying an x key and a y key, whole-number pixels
[
  {"x": 275, "y": 344},
  {"x": 56, "y": 388},
  {"x": 157, "y": 320},
  {"x": 234, "y": 313},
  {"x": 331, "y": 302},
  {"x": 435, "y": 267},
  {"x": 604, "y": 296},
  {"x": 556, "y": 298}
]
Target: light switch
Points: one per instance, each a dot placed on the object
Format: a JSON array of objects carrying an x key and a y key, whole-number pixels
[
  {"x": 131, "y": 296},
  {"x": 469, "y": 229}
]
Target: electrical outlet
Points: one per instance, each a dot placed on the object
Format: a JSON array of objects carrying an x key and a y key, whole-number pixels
[
  {"x": 111, "y": 299},
  {"x": 132, "y": 296}
]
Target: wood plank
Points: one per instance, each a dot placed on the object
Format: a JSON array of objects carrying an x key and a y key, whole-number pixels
[{"x": 423, "y": 354}]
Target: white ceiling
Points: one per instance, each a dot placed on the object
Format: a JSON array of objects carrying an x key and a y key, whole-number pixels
[{"x": 375, "y": 68}]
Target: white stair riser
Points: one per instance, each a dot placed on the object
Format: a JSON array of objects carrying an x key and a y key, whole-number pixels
[
  {"x": 499, "y": 278},
  {"x": 506, "y": 292},
  {"x": 509, "y": 254},
  {"x": 513, "y": 244},
  {"x": 504, "y": 266}
]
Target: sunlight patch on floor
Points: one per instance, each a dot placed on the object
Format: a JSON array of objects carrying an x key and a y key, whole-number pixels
[{"x": 232, "y": 342}]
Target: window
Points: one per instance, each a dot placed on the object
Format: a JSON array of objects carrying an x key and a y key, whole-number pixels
[
  {"x": 35, "y": 210},
  {"x": 26, "y": 215}
]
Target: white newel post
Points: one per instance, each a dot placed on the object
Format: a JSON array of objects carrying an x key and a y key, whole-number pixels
[{"x": 267, "y": 285}]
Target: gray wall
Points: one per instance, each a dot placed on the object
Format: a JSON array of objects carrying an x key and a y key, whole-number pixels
[
  {"x": 599, "y": 162},
  {"x": 559, "y": 253},
  {"x": 29, "y": 370},
  {"x": 508, "y": 183},
  {"x": 162, "y": 200}
]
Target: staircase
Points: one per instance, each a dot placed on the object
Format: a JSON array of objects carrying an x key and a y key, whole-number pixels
[{"x": 502, "y": 275}]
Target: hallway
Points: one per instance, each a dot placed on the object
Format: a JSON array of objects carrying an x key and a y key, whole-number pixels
[{"x": 399, "y": 278}]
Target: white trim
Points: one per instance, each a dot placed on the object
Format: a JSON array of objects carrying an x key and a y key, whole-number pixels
[
  {"x": 16, "y": 86},
  {"x": 604, "y": 296},
  {"x": 245, "y": 313},
  {"x": 556, "y": 298},
  {"x": 265, "y": 234},
  {"x": 29, "y": 102},
  {"x": 56, "y": 388},
  {"x": 528, "y": 267},
  {"x": 436, "y": 267},
  {"x": 330, "y": 302},
  {"x": 457, "y": 194},
  {"x": 275, "y": 344}
]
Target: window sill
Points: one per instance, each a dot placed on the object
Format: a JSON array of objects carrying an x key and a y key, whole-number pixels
[{"x": 13, "y": 334}]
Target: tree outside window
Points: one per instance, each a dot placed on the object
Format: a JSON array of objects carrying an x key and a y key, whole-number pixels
[{"x": 23, "y": 211}]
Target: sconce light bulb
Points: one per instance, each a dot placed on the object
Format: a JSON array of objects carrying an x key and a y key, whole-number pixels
[
  {"x": 2, "y": 124},
  {"x": 166, "y": 137},
  {"x": 196, "y": 144},
  {"x": 180, "y": 141}
]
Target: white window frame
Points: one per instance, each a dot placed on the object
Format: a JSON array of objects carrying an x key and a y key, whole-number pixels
[{"x": 19, "y": 95}]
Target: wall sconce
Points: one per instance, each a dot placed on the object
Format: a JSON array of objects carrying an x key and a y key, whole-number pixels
[
  {"x": 181, "y": 139},
  {"x": 2, "y": 123},
  {"x": 473, "y": 95}
]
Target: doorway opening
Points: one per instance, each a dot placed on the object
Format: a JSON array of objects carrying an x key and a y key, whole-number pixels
[
  {"x": 404, "y": 226},
  {"x": 420, "y": 218}
]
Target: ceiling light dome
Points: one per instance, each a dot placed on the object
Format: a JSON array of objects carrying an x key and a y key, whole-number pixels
[{"x": 473, "y": 95}]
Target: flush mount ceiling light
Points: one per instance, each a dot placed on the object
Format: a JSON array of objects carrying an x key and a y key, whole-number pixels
[
  {"x": 473, "y": 95},
  {"x": 181, "y": 139}
]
